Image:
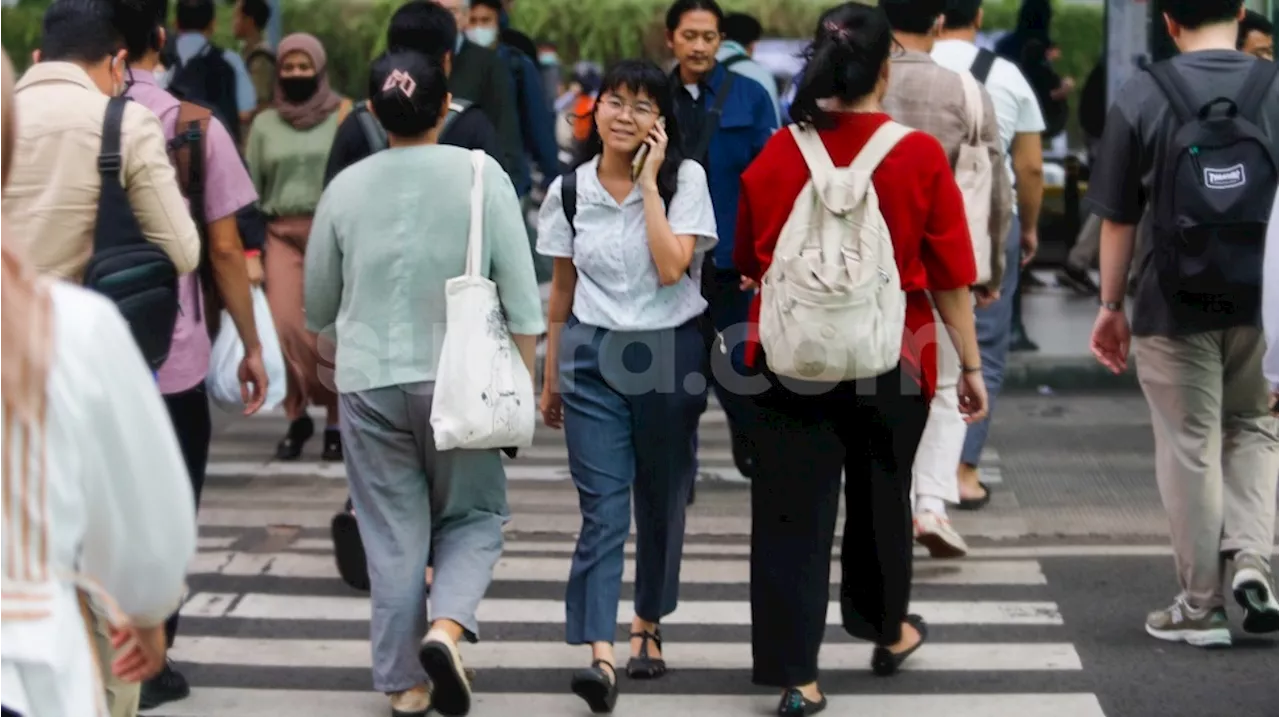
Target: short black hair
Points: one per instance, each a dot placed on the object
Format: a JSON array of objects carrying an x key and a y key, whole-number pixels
[
  {"x": 258, "y": 11},
  {"x": 407, "y": 91},
  {"x": 960, "y": 14},
  {"x": 680, "y": 8},
  {"x": 742, "y": 28},
  {"x": 139, "y": 22},
  {"x": 195, "y": 15},
  {"x": 1194, "y": 14},
  {"x": 494, "y": 5},
  {"x": 82, "y": 31},
  {"x": 1254, "y": 22},
  {"x": 914, "y": 17},
  {"x": 425, "y": 27}
]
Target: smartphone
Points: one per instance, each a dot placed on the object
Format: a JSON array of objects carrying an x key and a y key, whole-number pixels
[{"x": 637, "y": 164}]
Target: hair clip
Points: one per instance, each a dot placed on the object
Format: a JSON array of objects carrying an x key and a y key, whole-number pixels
[
  {"x": 835, "y": 30},
  {"x": 401, "y": 80}
]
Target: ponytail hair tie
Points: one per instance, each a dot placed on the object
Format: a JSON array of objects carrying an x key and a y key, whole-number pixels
[
  {"x": 836, "y": 31},
  {"x": 399, "y": 79}
]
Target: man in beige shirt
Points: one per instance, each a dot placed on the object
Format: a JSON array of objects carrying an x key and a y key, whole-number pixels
[
  {"x": 52, "y": 197},
  {"x": 924, "y": 95}
]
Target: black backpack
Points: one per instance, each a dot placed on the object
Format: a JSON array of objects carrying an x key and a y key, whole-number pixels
[
  {"x": 208, "y": 79},
  {"x": 1213, "y": 192},
  {"x": 376, "y": 136},
  {"x": 134, "y": 273}
]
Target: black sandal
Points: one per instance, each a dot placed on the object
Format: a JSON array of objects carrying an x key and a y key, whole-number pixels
[
  {"x": 643, "y": 667},
  {"x": 885, "y": 662},
  {"x": 332, "y": 445},
  {"x": 795, "y": 704},
  {"x": 300, "y": 431},
  {"x": 598, "y": 689}
]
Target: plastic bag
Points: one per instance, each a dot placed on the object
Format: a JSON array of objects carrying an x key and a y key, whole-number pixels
[{"x": 223, "y": 383}]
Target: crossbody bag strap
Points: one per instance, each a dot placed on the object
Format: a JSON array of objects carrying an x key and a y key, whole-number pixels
[
  {"x": 981, "y": 68},
  {"x": 569, "y": 198},
  {"x": 475, "y": 231},
  {"x": 713, "y": 117},
  {"x": 973, "y": 108},
  {"x": 112, "y": 199}
]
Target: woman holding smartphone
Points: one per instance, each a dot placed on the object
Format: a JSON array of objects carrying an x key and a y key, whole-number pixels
[{"x": 625, "y": 369}]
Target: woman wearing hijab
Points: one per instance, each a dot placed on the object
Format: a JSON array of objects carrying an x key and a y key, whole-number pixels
[
  {"x": 287, "y": 150},
  {"x": 96, "y": 496}
]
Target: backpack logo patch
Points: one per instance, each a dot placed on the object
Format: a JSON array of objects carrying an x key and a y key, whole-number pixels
[{"x": 1228, "y": 178}]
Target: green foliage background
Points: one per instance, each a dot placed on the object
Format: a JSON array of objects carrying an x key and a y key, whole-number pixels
[{"x": 600, "y": 30}]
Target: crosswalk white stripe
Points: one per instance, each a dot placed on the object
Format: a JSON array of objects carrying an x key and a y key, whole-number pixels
[
  {"x": 308, "y": 703},
  {"x": 491, "y": 655},
  {"x": 268, "y": 606},
  {"x": 329, "y": 471},
  {"x": 524, "y": 569}
]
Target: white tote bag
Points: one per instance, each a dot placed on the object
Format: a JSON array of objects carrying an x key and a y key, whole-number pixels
[
  {"x": 483, "y": 393},
  {"x": 223, "y": 382}
]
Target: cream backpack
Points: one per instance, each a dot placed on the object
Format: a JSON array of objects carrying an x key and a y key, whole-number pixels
[
  {"x": 832, "y": 306},
  {"x": 974, "y": 176}
]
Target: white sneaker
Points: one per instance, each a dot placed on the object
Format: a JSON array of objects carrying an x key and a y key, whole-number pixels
[
  {"x": 450, "y": 687},
  {"x": 415, "y": 702},
  {"x": 935, "y": 533}
]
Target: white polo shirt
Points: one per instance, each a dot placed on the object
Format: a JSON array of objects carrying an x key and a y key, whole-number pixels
[{"x": 1017, "y": 109}]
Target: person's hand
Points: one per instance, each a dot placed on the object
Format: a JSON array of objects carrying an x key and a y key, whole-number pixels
[
  {"x": 552, "y": 407},
  {"x": 253, "y": 380},
  {"x": 985, "y": 296},
  {"x": 141, "y": 652},
  {"x": 972, "y": 389},
  {"x": 253, "y": 265},
  {"x": 1110, "y": 342},
  {"x": 1030, "y": 245},
  {"x": 746, "y": 283},
  {"x": 657, "y": 141}
]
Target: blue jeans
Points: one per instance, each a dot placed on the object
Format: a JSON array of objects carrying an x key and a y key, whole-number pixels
[
  {"x": 628, "y": 415},
  {"x": 995, "y": 329}
]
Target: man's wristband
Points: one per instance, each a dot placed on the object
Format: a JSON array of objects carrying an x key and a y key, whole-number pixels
[{"x": 1112, "y": 305}]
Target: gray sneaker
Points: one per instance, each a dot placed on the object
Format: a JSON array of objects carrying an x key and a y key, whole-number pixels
[
  {"x": 1180, "y": 623},
  {"x": 1251, "y": 585}
]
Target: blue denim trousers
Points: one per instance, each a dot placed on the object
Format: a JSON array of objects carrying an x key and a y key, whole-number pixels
[
  {"x": 631, "y": 401},
  {"x": 995, "y": 331}
]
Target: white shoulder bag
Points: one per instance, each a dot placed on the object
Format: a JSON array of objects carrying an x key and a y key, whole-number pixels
[{"x": 483, "y": 396}]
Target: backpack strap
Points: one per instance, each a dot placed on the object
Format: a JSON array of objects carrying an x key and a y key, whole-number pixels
[
  {"x": 1174, "y": 88},
  {"x": 187, "y": 152},
  {"x": 713, "y": 118},
  {"x": 879, "y": 146},
  {"x": 569, "y": 197},
  {"x": 374, "y": 134},
  {"x": 814, "y": 152},
  {"x": 456, "y": 108},
  {"x": 974, "y": 111},
  {"x": 982, "y": 64},
  {"x": 730, "y": 62},
  {"x": 115, "y": 212},
  {"x": 1259, "y": 86},
  {"x": 344, "y": 109}
]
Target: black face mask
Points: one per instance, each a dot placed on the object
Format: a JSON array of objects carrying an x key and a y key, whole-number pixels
[{"x": 299, "y": 89}]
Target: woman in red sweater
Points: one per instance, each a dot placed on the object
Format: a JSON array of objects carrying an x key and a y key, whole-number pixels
[{"x": 868, "y": 430}]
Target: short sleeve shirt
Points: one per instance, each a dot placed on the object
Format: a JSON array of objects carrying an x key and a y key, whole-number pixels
[
  {"x": 618, "y": 286},
  {"x": 1138, "y": 129},
  {"x": 228, "y": 189},
  {"x": 1017, "y": 109}
]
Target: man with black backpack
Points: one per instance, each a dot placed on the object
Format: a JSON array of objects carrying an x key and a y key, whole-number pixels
[
  {"x": 428, "y": 28},
  {"x": 212, "y": 76},
  {"x": 1195, "y": 138}
]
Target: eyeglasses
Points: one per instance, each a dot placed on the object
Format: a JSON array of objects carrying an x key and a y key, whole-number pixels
[{"x": 642, "y": 111}]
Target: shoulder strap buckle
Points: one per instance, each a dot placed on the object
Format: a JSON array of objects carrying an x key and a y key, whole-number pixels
[{"x": 110, "y": 164}]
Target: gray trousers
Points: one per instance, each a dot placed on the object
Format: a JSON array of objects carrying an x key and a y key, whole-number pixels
[
  {"x": 1215, "y": 450},
  {"x": 409, "y": 499}
]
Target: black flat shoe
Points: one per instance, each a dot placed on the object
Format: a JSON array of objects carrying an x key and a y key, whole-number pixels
[
  {"x": 332, "y": 445},
  {"x": 795, "y": 704},
  {"x": 643, "y": 667},
  {"x": 977, "y": 503},
  {"x": 885, "y": 662},
  {"x": 598, "y": 686},
  {"x": 348, "y": 550},
  {"x": 300, "y": 431}
]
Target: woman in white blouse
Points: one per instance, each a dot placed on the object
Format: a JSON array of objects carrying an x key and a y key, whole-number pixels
[
  {"x": 626, "y": 361},
  {"x": 96, "y": 496}
]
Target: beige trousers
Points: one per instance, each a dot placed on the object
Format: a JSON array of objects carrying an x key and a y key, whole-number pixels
[
  {"x": 122, "y": 697},
  {"x": 1215, "y": 450}
]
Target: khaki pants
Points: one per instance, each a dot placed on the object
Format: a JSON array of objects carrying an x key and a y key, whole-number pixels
[
  {"x": 1215, "y": 450},
  {"x": 122, "y": 697}
]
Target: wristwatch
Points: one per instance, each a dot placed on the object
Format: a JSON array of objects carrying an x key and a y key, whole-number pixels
[{"x": 1113, "y": 305}]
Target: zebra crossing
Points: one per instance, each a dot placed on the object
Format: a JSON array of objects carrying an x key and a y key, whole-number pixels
[{"x": 269, "y": 629}]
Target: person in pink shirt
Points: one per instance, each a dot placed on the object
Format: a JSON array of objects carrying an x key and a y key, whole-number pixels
[{"x": 222, "y": 281}]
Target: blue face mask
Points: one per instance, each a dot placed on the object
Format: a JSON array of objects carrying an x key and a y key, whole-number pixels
[
  {"x": 548, "y": 59},
  {"x": 483, "y": 36}
]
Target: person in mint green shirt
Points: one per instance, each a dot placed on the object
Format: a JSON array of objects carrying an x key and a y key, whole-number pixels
[
  {"x": 287, "y": 149},
  {"x": 390, "y": 231}
]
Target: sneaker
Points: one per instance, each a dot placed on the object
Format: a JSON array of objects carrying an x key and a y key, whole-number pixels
[
  {"x": 935, "y": 533},
  {"x": 168, "y": 686},
  {"x": 1180, "y": 623},
  {"x": 450, "y": 688},
  {"x": 1251, "y": 585},
  {"x": 414, "y": 702}
]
